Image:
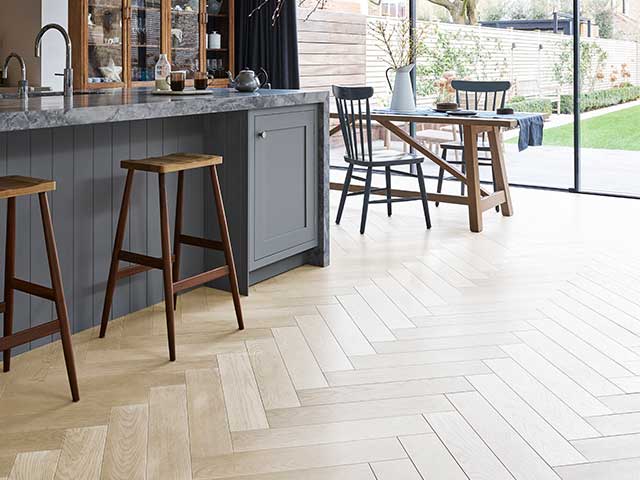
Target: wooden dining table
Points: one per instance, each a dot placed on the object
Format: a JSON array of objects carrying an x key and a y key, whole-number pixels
[{"x": 478, "y": 199}]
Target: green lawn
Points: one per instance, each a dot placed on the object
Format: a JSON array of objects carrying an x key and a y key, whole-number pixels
[{"x": 617, "y": 131}]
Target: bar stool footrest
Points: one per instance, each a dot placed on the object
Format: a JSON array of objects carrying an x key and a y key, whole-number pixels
[
  {"x": 33, "y": 333},
  {"x": 201, "y": 242},
  {"x": 33, "y": 289},
  {"x": 201, "y": 278},
  {"x": 143, "y": 263}
]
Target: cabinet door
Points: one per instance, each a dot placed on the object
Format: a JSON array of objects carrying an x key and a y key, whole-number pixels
[
  {"x": 188, "y": 25},
  {"x": 283, "y": 185},
  {"x": 105, "y": 43},
  {"x": 145, "y": 38}
]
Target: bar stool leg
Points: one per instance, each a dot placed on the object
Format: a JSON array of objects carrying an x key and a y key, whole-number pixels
[
  {"x": 166, "y": 266},
  {"x": 9, "y": 272},
  {"x": 226, "y": 242},
  {"x": 115, "y": 261},
  {"x": 58, "y": 290},
  {"x": 178, "y": 232}
]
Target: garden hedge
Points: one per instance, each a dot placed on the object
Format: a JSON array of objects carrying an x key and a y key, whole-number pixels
[
  {"x": 531, "y": 105},
  {"x": 600, "y": 98}
]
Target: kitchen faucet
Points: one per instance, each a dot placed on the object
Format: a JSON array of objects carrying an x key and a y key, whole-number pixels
[
  {"x": 68, "y": 71},
  {"x": 23, "y": 87}
]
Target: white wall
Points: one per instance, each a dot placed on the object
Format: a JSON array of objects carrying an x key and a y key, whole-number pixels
[{"x": 20, "y": 21}]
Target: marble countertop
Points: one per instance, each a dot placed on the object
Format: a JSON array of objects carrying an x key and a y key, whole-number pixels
[{"x": 137, "y": 104}]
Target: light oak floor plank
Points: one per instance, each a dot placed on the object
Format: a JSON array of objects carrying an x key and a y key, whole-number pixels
[
  {"x": 329, "y": 433},
  {"x": 618, "y": 469},
  {"x": 368, "y": 322},
  {"x": 82, "y": 452},
  {"x": 431, "y": 457},
  {"x": 546, "y": 441},
  {"x": 401, "y": 296},
  {"x": 395, "y": 470},
  {"x": 441, "y": 343},
  {"x": 473, "y": 455},
  {"x": 519, "y": 458},
  {"x": 323, "y": 344},
  {"x": 351, "y": 472},
  {"x": 348, "y": 335},
  {"x": 388, "y": 312},
  {"x": 242, "y": 398},
  {"x": 208, "y": 424},
  {"x": 542, "y": 400},
  {"x": 298, "y": 458},
  {"x": 617, "y": 424},
  {"x": 35, "y": 465},
  {"x": 421, "y": 358},
  {"x": 425, "y": 295},
  {"x": 609, "y": 448},
  {"x": 301, "y": 364},
  {"x": 125, "y": 454},
  {"x": 341, "y": 412},
  {"x": 169, "y": 453},
  {"x": 274, "y": 383}
]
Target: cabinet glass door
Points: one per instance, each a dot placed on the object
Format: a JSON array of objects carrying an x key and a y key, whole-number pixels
[
  {"x": 105, "y": 41},
  {"x": 146, "y": 22},
  {"x": 185, "y": 35}
]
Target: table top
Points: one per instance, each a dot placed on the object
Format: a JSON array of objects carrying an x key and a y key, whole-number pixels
[{"x": 482, "y": 119}]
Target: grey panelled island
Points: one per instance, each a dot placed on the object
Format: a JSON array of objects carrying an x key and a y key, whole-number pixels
[{"x": 275, "y": 181}]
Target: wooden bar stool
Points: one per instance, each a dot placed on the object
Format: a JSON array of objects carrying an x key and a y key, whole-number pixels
[
  {"x": 170, "y": 265},
  {"x": 10, "y": 188}
]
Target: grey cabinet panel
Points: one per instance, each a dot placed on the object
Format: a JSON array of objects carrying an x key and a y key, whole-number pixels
[{"x": 283, "y": 184}]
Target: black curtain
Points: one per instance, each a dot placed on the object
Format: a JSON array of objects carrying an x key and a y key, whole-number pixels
[{"x": 259, "y": 43}]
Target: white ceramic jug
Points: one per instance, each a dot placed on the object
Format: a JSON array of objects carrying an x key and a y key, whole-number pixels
[{"x": 402, "y": 99}]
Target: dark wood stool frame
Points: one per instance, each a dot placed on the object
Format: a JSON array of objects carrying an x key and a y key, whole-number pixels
[
  {"x": 54, "y": 294},
  {"x": 168, "y": 263}
]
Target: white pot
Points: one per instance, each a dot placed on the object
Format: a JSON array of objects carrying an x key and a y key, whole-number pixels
[{"x": 402, "y": 99}]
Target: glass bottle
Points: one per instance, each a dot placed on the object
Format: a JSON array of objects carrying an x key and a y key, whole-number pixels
[{"x": 163, "y": 69}]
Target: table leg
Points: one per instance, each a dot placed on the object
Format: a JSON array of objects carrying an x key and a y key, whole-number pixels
[
  {"x": 499, "y": 169},
  {"x": 470, "y": 155}
]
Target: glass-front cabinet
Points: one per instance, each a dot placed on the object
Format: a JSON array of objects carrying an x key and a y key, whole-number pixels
[{"x": 116, "y": 43}]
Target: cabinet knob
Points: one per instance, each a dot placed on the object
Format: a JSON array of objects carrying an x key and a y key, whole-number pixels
[{"x": 262, "y": 135}]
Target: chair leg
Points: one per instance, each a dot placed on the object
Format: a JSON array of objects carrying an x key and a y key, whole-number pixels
[
  {"x": 441, "y": 174},
  {"x": 9, "y": 273},
  {"x": 226, "y": 242},
  {"x": 345, "y": 191},
  {"x": 365, "y": 201},
  {"x": 58, "y": 291},
  {"x": 113, "y": 269},
  {"x": 387, "y": 172},
  {"x": 423, "y": 194},
  {"x": 177, "y": 250},
  {"x": 166, "y": 266}
]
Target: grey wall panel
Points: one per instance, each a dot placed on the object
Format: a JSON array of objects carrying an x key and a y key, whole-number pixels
[
  {"x": 83, "y": 227},
  {"x": 138, "y": 213},
  {"x": 155, "y": 133},
  {"x": 41, "y": 143},
  {"x": 19, "y": 163},
  {"x": 121, "y": 151},
  {"x": 3, "y": 217}
]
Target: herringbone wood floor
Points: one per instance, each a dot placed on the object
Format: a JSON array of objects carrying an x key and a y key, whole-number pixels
[{"x": 514, "y": 353}]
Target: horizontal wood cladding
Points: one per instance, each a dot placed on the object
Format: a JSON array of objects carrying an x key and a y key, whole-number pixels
[{"x": 85, "y": 163}]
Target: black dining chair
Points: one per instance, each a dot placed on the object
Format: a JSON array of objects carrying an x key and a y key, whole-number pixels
[
  {"x": 474, "y": 95},
  {"x": 354, "y": 110}
]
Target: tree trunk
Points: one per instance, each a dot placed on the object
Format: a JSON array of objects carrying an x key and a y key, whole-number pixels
[{"x": 471, "y": 7}]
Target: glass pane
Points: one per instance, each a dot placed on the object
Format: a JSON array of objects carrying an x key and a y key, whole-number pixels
[
  {"x": 185, "y": 35},
  {"x": 145, "y": 38},
  {"x": 105, "y": 41},
  {"x": 610, "y": 110}
]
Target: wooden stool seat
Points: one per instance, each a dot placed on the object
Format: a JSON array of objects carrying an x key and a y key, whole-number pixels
[
  {"x": 16, "y": 186},
  {"x": 10, "y": 188},
  {"x": 176, "y": 162},
  {"x": 170, "y": 263}
]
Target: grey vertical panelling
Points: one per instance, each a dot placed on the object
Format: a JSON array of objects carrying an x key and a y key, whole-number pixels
[
  {"x": 191, "y": 140},
  {"x": 83, "y": 227},
  {"x": 62, "y": 209},
  {"x": 3, "y": 217},
  {"x": 153, "y": 248},
  {"x": 138, "y": 213},
  {"x": 102, "y": 220},
  {"x": 121, "y": 151},
  {"x": 19, "y": 163},
  {"x": 169, "y": 145},
  {"x": 41, "y": 166}
]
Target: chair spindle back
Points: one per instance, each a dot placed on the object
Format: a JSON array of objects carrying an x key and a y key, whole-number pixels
[{"x": 354, "y": 110}]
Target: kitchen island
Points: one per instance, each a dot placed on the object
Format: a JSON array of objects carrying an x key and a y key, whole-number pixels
[{"x": 275, "y": 181}]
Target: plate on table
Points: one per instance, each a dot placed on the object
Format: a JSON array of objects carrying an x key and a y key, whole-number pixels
[
  {"x": 462, "y": 113},
  {"x": 446, "y": 110}
]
